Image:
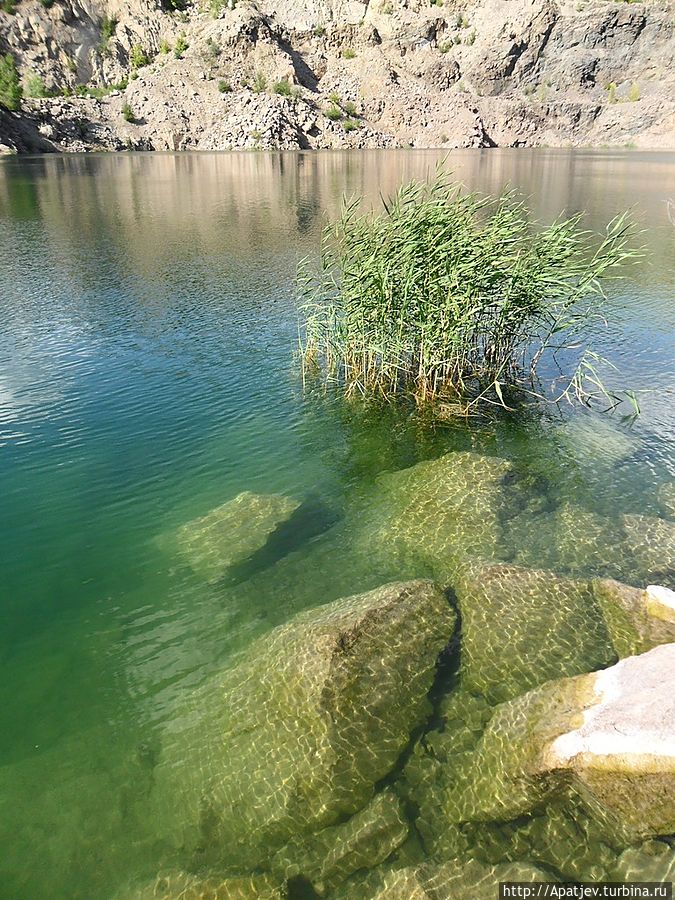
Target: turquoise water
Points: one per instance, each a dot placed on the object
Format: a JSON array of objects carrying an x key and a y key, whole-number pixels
[{"x": 146, "y": 376}]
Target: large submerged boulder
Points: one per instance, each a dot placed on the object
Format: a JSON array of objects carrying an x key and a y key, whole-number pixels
[
  {"x": 522, "y": 627},
  {"x": 609, "y": 737},
  {"x": 184, "y": 886},
  {"x": 230, "y": 534},
  {"x": 295, "y": 737},
  {"x": 457, "y": 880},
  {"x": 440, "y": 514},
  {"x": 327, "y": 858},
  {"x": 651, "y": 541},
  {"x": 637, "y": 620}
]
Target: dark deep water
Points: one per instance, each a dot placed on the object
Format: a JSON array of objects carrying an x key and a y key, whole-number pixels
[{"x": 146, "y": 376}]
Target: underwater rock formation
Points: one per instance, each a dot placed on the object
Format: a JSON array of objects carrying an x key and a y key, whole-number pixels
[
  {"x": 570, "y": 539},
  {"x": 666, "y": 497},
  {"x": 440, "y": 514},
  {"x": 637, "y": 620},
  {"x": 607, "y": 736},
  {"x": 181, "y": 886},
  {"x": 445, "y": 881},
  {"x": 522, "y": 627},
  {"x": 652, "y": 542},
  {"x": 233, "y": 532},
  {"x": 330, "y": 856},
  {"x": 294, "y": 737}
]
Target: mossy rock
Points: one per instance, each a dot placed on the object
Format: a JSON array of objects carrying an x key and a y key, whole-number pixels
[
  {"x": 294, "y": 737},
  {"x": 606, "y": 736},
  {"x": 666, "y": 497},
  {"x": 230, "y": 534},
  {"x": 328, "y": 857},
  {"x": 440, "y": 514},
  {"x": 637, "y": 620},
  {"x": 522, "y": 627},
  {"x": 456, "y": 880},
  {"x": 650, "y": 861},
  {"x": 569, "y": 539},
  {"x": 652, "y": 543},
  {"x": 183, "y": 886}
]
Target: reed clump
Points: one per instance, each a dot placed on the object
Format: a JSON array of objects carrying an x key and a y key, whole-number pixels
[{"x": 450, "y": 293}]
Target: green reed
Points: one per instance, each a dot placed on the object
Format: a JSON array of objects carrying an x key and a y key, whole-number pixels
[{"x": 447, "y": 292}]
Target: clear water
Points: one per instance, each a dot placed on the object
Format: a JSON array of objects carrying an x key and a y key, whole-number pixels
[{"x": 146, "y": 376}]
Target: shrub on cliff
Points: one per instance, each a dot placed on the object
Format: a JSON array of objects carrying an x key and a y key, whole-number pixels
[
  {"x": 10, "y": 85},
  {"x": 451, "y": 293}
]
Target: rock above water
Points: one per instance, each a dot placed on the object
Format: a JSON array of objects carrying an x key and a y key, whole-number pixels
[
  {"x": 637, "y": 620},
  {"x": 295, "y": 737},
  {"x": 522, "y": 627},
  {"x": 608, "y": 736},
  {"x": 233, "y": 532}
]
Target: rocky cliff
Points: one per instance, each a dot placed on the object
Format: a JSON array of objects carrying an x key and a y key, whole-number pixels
[{"x": 221, "y": 74}]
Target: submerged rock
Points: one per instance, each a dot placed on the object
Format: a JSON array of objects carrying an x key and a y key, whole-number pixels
[
  {"x": 637, "y": 620},
  {"x": 522, "y": 627},
  {"x": 608, "y": 736},
  {"x": 569, "y": 539},
  {"x": 295, "y": 737},
  {"x": 457, "y": 880},
  {"x": 651, "y": 861},
  {"x": 440, "y": 514},
  {"x": 652, "y": 542},
  {"x": 182, "y": 886},
  {"x": 233, "y": 532},
  {"x": 327, "y": 858},
  {"x": 666, "y": 496}
]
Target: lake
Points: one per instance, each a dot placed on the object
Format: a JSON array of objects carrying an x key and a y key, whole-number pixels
[{"x": 147, "y": 376}]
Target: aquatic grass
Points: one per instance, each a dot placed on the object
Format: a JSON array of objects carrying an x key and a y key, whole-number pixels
[{"x": 451, "y": 293}]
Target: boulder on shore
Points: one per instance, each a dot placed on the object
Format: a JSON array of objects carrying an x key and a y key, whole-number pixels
[{"x": 295, "y": 737}]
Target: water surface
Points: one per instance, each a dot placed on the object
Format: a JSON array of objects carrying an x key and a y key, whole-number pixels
[{"x": 146, "y": 376}]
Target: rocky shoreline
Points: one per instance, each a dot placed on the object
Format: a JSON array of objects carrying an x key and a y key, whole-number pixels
[{"x": 102, "y": 75}]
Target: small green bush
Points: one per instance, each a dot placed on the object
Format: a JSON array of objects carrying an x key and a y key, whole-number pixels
[
  {"x": 319, "y": 30},
  {"x": 224, "y": 86},
  {"x": 348, "y": 53},
  {"x": 181, "y": 46},
  {"x": 334, "y": 113},
  {"x": 138, "y": 57},
  {"x": 350, "y": 109},
  {"x": 470, "y": 38},
  {"x": 34, "y": 86},
  {"x": 8, "y": 6},
  {"x": 128, "y": 113},
  {"x": 164, "y": 47},
  {"x": 283, "y": 87},
  {"x": 611, "y": 92},
  {"x": 10, "y": 86},
  {"x": 634, "y": 93},
  {"x": 350, "y": 125},
  {"x": 108, "y": 28},
  {"x": 259, "y": 83}
]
